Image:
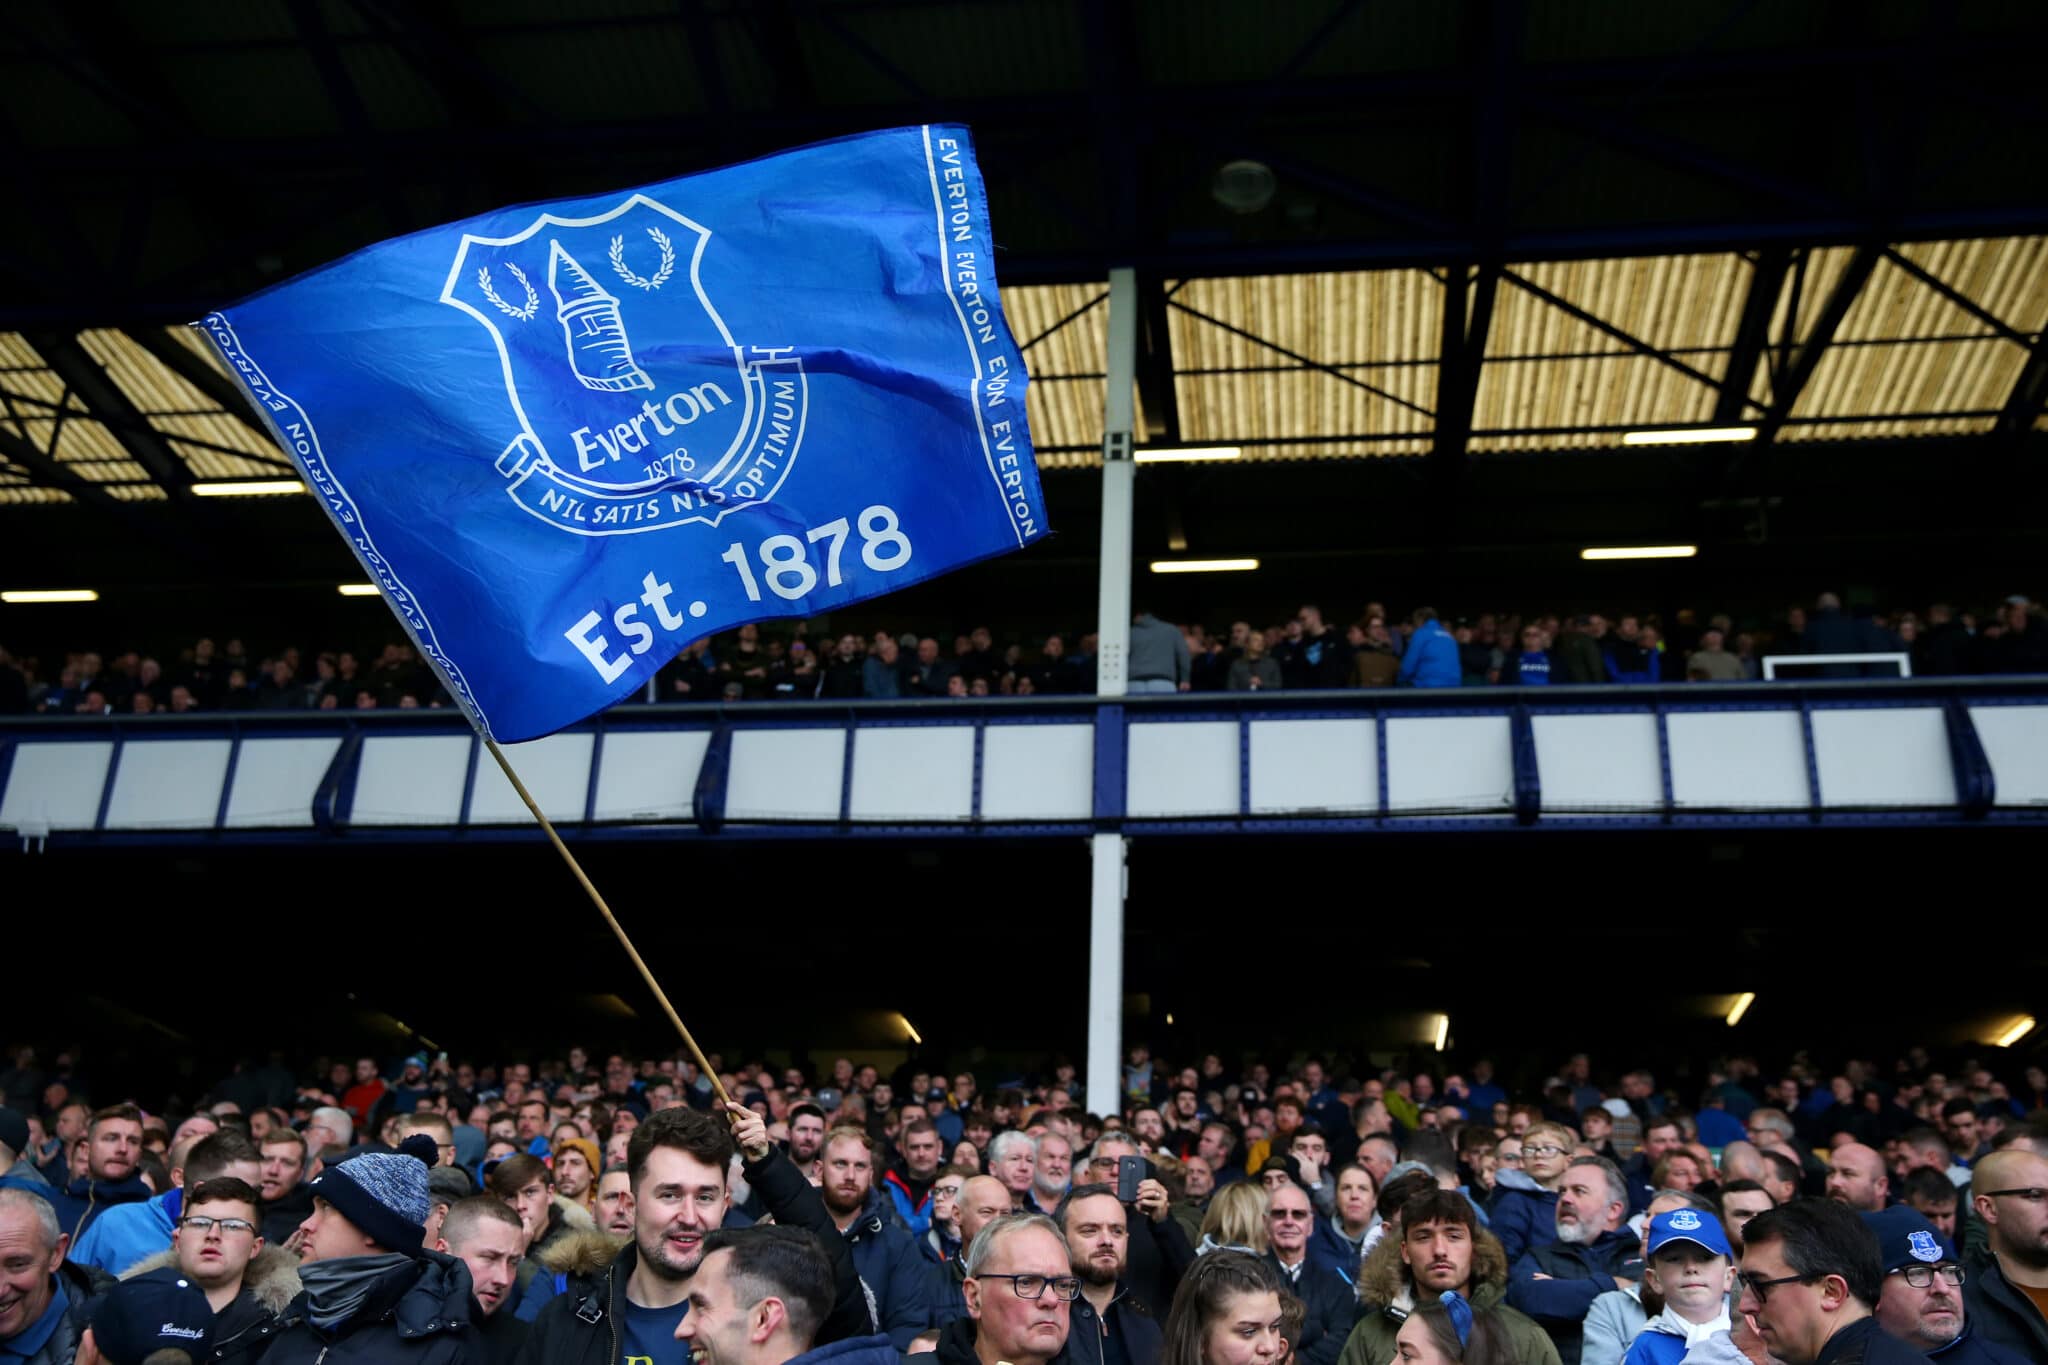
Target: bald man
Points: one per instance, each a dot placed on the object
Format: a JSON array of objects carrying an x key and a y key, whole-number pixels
[
  {"x": 1856, "y": 1177},
  {"x": 2006, "y": 1293},
  {"x": 983, "y": 1199}
]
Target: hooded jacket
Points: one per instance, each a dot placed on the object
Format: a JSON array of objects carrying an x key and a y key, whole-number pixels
[
  {"x": 535, "y": 1285},
  {"x": 896, "y": 1273},
  {"x": 1524, "y": 1214},
  {"x": 1388, "y": 1296},
  {"x": 417, "y": 1313},
  {"x": 1578, "y": 1274},
  {"x": 1329, "y": 1248},
  {"x": 242, "y": 1330},
  {"x": 581, "y": 1327},
  {"x": 81, "y": 1202},
  {"x": 1612, "y": 1323}
]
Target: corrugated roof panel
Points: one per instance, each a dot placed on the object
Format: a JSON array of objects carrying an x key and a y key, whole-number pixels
[
  {"x": 1616, "y": 392},
  {"x": 1663, "y": 301},
  {"x": 1287, "y": 405},
  {"x": 1079, "y": 346},
  {"x": 150, "y": 386},
  {"x": 1338, "y": 319},
  {"x": 40, "y": 385},
  {"x": 88, "y": 445},
  {"x": 11, "y": 495},
  {"x": 2006, "y": 276},
  {"x": 1934, "y": 377},
  {"x": 16, "y": 353}
]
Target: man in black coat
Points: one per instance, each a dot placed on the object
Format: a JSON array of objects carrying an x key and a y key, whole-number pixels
[
  {"x": 678, "y": 1160},
  {"x": 371, "y": 1292},
  {"x": 2009, "y": 1190},
  {"x": 1332, "y": 1304},
  {"x": 1109, "y": 1326}
]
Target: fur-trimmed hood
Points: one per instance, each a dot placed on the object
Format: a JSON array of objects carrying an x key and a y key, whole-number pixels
[
  {"x": 1383, "y": 1280},
  {"x": 272, "y": 1276},
  {"x": 580, "y": 1252}
]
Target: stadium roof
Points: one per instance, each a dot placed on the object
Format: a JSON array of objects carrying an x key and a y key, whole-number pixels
[{"x": 1361, "y": 231}]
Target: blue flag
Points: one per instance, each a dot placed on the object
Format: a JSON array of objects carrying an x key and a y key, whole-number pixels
[{"x": 567, "y": 439}]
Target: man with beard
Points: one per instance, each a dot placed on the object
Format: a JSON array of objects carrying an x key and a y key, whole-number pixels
[
  {"x": 1594, "y": 1252},
  {"x": 806, "y": 1136},
  {"x": 113, "y": 1141},
  {"x": 1856, "y": 1177},
  {"x": 1108, "y": 1327},
  {"x": 1331, "y": 1304},
  {"x": 1051, "y": 1174},
  {"x": 885, "y": 1255},
  {"x": 1922, "y": 1300},
  {"x": 2007, "y": 1289},
  {"x": 1441, "y": 1249},
  {"x": 678, "y": 1162}
]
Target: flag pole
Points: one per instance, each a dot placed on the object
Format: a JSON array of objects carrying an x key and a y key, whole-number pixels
[{"x": 597, "y": 899}]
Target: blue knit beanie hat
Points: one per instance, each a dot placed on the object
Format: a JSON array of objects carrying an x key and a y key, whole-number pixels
[{"x": 384, "y": 1193}]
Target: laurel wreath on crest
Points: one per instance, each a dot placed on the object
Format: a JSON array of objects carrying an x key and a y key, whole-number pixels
[
  {"x": 668, "y": 261},
  {"x": 483, "y": 279}
]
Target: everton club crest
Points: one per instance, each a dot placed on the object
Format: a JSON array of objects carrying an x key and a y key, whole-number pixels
[{"x": 629, "y": 405}]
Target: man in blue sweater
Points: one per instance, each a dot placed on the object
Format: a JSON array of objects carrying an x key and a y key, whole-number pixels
[
  {"x": 113, "y": 1148},
  {"x": 128, "y": 1234}
]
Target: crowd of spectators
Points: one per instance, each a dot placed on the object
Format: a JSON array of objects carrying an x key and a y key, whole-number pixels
[
  {"x": 1307, "y": 1212},
  {"x": 1306, "y": 651}
]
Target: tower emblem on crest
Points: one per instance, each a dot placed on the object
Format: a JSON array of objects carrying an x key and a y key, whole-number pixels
[{"x": 638, "y": 409}]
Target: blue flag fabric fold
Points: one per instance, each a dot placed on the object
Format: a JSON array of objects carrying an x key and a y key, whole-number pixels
[{"x": 567, "y": 439}]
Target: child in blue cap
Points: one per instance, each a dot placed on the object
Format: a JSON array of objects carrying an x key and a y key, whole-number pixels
[{"x": 1688, "y": 1262}]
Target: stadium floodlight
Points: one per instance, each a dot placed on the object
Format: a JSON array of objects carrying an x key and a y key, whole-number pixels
[
  {"x": 1640, "y": 552},
  {"x": 916, "y": 1038},
  {"x": 22, "y": 597},
  {"x": 357, "y": 589},
  {"x": 248, "y": 488},
  {"x": 1443, "y": 1031},
  {"x": 1740, "y": 1007},
  {"x": 1687, "y": 436},
  {"x": 1187, "y": 454},
  {"x": 1203, "y": 565},
  {"x": 2018, "y": 1029}
]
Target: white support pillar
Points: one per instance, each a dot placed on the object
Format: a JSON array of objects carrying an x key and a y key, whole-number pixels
[
  {"x": 1112, "y": 672},
  {"x": 1113, "y": 611}
]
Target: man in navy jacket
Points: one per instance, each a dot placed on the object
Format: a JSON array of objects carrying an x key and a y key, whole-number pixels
[{"x": 1594, "y": 1253}]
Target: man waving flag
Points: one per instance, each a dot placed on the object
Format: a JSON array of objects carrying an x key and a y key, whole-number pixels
[{"x": 567, "y": 439}]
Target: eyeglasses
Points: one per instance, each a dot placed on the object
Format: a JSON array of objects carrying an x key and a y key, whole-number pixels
[
  {"x": 1290, "y": 1215},
  {"x": 1547, "y": 1149},
  {"x": 1761, "y": 1287},
  {"x": 1921, "y": 1276},
  {"x": 1065, "y": 1287},
  {"x": 2033, "y": 1194},
  {"x": 201, "y": 1224}
]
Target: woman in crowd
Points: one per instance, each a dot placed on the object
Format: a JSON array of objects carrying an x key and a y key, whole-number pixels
[{"x": 1227, "y": 1311}]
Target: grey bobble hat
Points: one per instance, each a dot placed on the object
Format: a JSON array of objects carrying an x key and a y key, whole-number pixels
[{"x": 384, "y": 1193}]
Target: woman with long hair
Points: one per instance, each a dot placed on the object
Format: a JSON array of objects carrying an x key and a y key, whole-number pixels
[
  {"x": 1227, "y": 1311},
  {"x": 1236, "y": 1220},
  {"x": 1448, "y": 1332}
]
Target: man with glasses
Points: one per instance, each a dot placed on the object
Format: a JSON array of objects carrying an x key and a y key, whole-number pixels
[
  {"x": 1922, "y": 1300},
  {"x": 2007, "y": 1290},
  {"x": 218, "y": 1245},
  {"x": 128, "y": 1234},
  {"x": 1019, "y": 1289},
  {"x": 1331, "y": 1302},
  {"x": 1810, "y": 1277},
  {"x": 1160, "y": 1252}
]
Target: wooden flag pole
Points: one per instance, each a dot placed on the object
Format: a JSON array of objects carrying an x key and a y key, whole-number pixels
[{"x": 597, "y": 899}]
